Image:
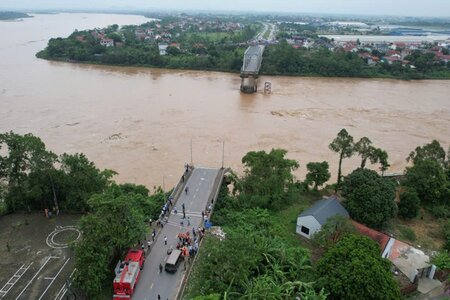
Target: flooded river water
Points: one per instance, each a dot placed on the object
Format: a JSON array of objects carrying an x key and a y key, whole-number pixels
[{"x": 140, "y": 122}]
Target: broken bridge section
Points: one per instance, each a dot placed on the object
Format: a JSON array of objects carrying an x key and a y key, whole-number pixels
[{"x": 250, "y": 68}]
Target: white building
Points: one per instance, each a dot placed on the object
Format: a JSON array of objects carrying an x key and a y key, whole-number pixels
[
  {"x": 107, "y": 42},
  {"x": 162, "y": 49},
  {"x": 312, "y": 219}
]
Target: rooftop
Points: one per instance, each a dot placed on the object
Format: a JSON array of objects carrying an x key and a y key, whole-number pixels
[{"x": 324, "y": 209}]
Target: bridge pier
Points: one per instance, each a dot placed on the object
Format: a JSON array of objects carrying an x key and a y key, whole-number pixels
[
  {"x": 249, "y": 84},
  {"x": 250, "y": 69}
]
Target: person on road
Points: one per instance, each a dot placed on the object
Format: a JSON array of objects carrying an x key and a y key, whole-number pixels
[
  {"x": 160, "y": 268},
  {"x": 186, "y": 190},
  {"x": 165, "y": 240}
]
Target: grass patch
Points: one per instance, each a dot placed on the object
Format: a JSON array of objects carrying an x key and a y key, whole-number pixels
[
  {"x": 425, "y": 230},
  {"x": 287, "y": 218},
  {"x": 406, "y": 234}
]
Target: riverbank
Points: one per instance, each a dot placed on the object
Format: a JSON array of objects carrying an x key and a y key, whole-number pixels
[
  {"x": 333, "y": 71},
  {"x": 281, "y": 59}
]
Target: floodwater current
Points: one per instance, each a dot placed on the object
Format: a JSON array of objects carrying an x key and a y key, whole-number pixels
[{"x": 142, "y": 122}]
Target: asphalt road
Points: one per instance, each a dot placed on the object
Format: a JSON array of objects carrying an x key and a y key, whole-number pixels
[{"x": 152, "y": 283}]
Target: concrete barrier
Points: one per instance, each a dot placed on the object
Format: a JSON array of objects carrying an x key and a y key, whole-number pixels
[{"x": 217, "y": 184}]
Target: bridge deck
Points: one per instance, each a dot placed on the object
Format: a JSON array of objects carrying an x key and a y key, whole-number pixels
[{"x": 252, "y": 60}]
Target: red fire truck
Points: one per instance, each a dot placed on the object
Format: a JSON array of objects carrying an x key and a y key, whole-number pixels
[{"x": 127, "y": 274}]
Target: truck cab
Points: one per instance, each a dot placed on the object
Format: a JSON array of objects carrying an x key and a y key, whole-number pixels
[
  {"x": 173, "y": 261},
  {"x": 127, "y": 274}
]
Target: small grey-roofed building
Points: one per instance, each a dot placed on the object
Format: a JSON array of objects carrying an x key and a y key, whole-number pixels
[{"x": 313, "y": 218}]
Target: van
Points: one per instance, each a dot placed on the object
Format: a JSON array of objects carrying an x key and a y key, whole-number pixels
[{"x": 173, "y": 261}]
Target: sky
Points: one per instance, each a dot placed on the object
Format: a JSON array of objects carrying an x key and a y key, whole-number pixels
[{"x": 428, "y": 8}]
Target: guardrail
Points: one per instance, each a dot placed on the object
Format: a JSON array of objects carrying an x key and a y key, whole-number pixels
[{"x": 218, "y": 183}]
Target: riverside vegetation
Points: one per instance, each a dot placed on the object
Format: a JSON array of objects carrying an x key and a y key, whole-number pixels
[
  {"x": 196, "y": 46},
  {"x": 262, "y": 256}
]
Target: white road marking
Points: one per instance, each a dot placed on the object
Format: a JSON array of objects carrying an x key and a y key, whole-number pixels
[
  {"x": 50, "y": 238},
  {"x": 64, "y": 289},
  {"x": 40, "y": 269},
  {"x": 13, "y": 280},
  {"x": 57, "y": 274}
]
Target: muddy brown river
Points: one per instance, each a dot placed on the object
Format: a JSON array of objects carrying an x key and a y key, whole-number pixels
[{"x": 141, "y": 122}]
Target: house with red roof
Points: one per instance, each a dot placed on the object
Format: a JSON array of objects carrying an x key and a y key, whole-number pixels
[{"x": 413, "y": 263}]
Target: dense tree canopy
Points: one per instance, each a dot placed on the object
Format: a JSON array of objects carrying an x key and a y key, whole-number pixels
[
  {"x": 80, "y": 179},
  {"x": 123, "y": 218},
  {"x": 268, "y": 181},
  {"x": 26, "y": 157},
  {"x": 317, "y": 174},
  {"x": 333, "y": 231},
  {"x": 428, "y": 178},
  {"x": 35, "y": 178},
  {"x": 369, "y": 198},
  {"x": 354, "y": 269},
  {"x": 253, "y": 262},
  {"x": 432, "y": 151},
  {"x": 408, "y": 207}
]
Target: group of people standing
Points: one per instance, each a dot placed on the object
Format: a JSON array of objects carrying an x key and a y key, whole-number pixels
[{"x": 188, "y": 245}]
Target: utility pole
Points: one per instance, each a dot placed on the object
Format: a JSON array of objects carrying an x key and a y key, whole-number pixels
[
  {"x": 164, "y": 189},
  {"x": 191, "y": 153},
  {"x": 55, "y": 200},
  {"x": 223, "y": 152}
]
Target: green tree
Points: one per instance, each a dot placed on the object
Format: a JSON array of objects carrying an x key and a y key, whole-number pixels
[
  {"x": 381, "y": 156},
  {"x": 125, "y": 225},
  {"x": 80, "y": 180},
  {"x": 433, "y": 151},
  {"x": 446, "y": 232},
  {"x": 408, "y": 207},
  {"x": 428, "y": 179},
  {"x": 333, "y": 231},
  {"x": 342, "y": 144},
  {"x": 376, "y": 155},
  {"x": 365, "y": 149},
  {"x": 354, "y": 269},
  {"x": 253, "y": 262},
  {"x": 25, "y": 155},
  {"x": 317, "y": 174},
  {"x": 369, "y": 198},
  {"x": 268, "y": 179}
]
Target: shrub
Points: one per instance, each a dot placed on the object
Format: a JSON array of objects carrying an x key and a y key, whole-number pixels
[{"x": 408, "y": 207}]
